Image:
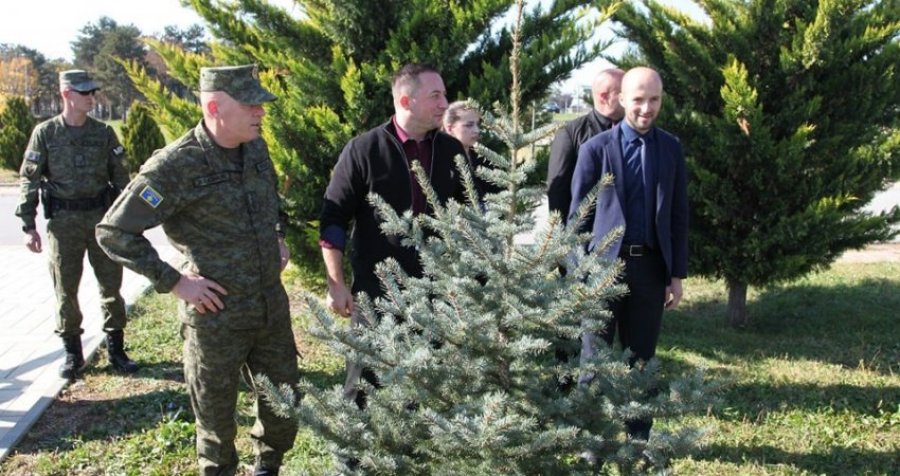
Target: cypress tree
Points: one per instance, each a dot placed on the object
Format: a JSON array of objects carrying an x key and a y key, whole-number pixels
[
  {"x": 788, "y": 111},
  {"x": 140, "y": 136},
  {"x": 16, "y": 124},
  {"x": 331, "y": 69}
]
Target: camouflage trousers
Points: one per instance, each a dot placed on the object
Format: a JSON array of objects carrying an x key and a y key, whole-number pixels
[
  {"x": 214, "y": 360},
  {"x": 70, "y": 234}
]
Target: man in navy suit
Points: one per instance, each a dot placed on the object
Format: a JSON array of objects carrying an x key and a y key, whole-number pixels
[{"x": 649, "y": 200}]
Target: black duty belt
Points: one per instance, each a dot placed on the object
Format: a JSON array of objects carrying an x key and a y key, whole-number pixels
[{"x": 79, "y": 203}]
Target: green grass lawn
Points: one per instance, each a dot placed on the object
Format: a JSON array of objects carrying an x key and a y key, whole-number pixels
[{"x": 810, "y": 387}]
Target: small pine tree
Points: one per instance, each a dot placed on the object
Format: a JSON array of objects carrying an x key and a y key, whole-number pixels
[
  {"x": 140, "y": 136},
  {"x": 16, "y": 124},
  {"x": 465, "y": 354}
]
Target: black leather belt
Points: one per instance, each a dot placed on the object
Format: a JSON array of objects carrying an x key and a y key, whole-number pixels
[
  {"x": 79, "y": 204},
  {"x": 633, "y": 251}
]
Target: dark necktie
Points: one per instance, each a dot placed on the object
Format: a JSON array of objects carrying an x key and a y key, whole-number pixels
[
  {"x": 634, "y": 159},
  {"x": 635, "y": 201}
]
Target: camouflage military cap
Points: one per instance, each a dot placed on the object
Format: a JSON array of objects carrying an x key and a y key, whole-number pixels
[
  {"x": 240, "y": 82},
  {"x": 77, "y": 79}
]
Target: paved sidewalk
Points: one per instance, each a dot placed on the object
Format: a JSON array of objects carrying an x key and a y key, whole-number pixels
[{"x": 30, "y": 353}]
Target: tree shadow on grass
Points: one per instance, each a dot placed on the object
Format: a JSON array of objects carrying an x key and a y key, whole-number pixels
[
  {"x": 750, "y": 401},
  {"x": 852, "y": 326},
  {"x": 842, "y": 325},
  {"x": 168, "y": 370},
  {"x": 68, "y": 423},
  {"x": 835, "y": 461}
]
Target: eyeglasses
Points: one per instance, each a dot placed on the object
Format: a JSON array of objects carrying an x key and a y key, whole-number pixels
[{"x": 86, "y": 93}]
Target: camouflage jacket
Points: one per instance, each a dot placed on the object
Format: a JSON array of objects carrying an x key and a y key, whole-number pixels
[
  {"x": 70, "y": 167},
  {"x": 224, "y": 220}
]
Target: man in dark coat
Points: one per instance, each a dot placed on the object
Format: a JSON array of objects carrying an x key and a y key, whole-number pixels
[
  {"x": 379, "y": 161},
  {"x": 564, "y": 150}
]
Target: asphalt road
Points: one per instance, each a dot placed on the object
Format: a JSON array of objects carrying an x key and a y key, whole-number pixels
[{"x": 11, "y": 226}]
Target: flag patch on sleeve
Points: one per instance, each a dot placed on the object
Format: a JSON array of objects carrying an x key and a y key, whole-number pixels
[
  {"x": 152, "y": 197},
  {"x": 32, "y": 156}
]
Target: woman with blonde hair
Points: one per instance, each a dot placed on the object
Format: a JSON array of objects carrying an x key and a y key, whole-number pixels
[{"x": 462, "y": 120}]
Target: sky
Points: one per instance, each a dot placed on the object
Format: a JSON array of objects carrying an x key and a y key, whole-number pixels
[{"x": 50, "y": 26}]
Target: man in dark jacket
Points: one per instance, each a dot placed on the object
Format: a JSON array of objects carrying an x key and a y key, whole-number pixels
[
  {"x": 564, "y": 150},
  {"x": 379, "y": 161}
]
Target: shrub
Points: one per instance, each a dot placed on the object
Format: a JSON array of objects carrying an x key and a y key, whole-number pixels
[
  {"x": 16, "y": 124},
  {"x": 140, "y": 136}
]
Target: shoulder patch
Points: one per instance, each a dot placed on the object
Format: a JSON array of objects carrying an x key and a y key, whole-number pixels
[
  {"x": 151, "y": 196},
  {"x": 118, "y": 150},
  {"x": 32, "y": 156}
]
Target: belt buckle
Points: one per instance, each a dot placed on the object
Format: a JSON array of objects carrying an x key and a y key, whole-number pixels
[{"x": 635, "y": 250}]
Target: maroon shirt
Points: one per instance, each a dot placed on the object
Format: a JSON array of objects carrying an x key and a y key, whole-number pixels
[
  {"x": 413, "y": 150},
  {"x": 416, "y": 150}
]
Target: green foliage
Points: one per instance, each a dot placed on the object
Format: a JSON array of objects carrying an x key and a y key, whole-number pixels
[
  {"x": 140, "y": 136},
  {"x": 331, "y": 69},
  {"x": 16, "y": 124},
  {"x": 173, "y": 114},
  {"x": 788, "y": 113},
  {"x": 99, "y": 49},
  {"x": 464, "y": 355},
  {"x": 191, "y": 39}
]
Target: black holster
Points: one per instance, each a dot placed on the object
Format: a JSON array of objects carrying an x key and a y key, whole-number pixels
[{"x": 46, "y": 201}]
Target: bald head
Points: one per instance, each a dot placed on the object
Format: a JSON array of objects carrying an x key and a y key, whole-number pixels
[
  {"x": 605, "y": 91},
  {"x": 641, "y": 97}
]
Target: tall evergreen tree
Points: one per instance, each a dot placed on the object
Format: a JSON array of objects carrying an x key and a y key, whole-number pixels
[
  {"x": 16, "y": 124},
  {"x": 191, "y": 39},
  {"x": 140, "y": 136},
  {"x": 332, "y": 66},
  {"x": 464, "y": 354},
  {"x": 788, "y": 110},
  {"x": 98, "y": 49}
]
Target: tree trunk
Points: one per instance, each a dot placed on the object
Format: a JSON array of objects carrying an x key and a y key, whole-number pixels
[{"x": 737, "y": 303}]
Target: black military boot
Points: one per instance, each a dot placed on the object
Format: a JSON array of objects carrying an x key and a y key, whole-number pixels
[
  {"x": 115, "y": 347},
  {"x": 74, "y": 363}
]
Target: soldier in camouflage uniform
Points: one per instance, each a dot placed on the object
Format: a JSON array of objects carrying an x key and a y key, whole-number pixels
[
  {"x": 75, "y": 162},
  {"x": 214, "y": 192}
]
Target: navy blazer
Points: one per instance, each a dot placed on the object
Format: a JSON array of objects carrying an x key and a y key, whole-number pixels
[{"x": 602, "y": 155}]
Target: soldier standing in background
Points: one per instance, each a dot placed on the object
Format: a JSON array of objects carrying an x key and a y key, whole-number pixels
[
  {"x": 214, "y": 192},
  {"x": 75, "y": 162}
]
